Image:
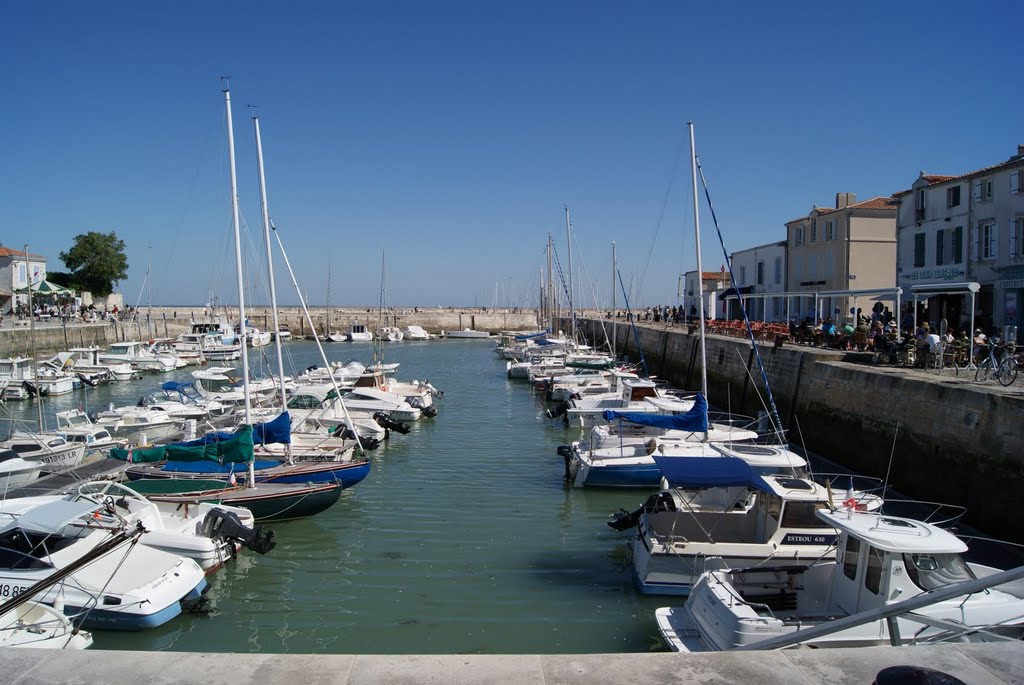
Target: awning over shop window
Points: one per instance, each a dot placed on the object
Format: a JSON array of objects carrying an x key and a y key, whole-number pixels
[{"x": 1010, "y": 279}]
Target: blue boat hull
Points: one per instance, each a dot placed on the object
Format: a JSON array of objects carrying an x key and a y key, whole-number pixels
[{"x": 627, "y": 476}]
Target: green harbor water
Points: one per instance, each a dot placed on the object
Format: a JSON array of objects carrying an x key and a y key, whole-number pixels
[{"x": 462, "y": 539}]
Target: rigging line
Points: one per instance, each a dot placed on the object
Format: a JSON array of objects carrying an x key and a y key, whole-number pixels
[
  {"x": 661, "y": 214},
  {"x": 593, "y": 294},
  {"x": 632, "y": 325},
  {"x": 774, "y": 411}
]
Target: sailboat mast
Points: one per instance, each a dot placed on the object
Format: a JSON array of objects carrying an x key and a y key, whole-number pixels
[
  {"x": 270, "y": 263},
  {"x": 149, "y": 284},
  {"x": 32, "y": 339},
  {"x": 700, "y": 270},
  {"x": 614, "y": 266},
  {"x": 572, "y": 308},
  {"x": 238, "y": 264},
  {"x": 551, "y": 294}
]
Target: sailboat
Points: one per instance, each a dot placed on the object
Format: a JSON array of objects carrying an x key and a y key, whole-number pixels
[
  {"x": 385, "y": 332},
  {"x": 331, "y": 335}
]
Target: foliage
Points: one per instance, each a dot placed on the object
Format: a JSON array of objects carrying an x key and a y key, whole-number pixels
[
  {"x": 62, "y": 278},
  {"x": 96, "y": 261}
]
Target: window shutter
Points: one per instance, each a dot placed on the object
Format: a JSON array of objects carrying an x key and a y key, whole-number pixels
[
  {"x": 994, "y": 244},
  {"x": 1013, "y": 237},
  {"x": 976, "y": 256},
  {"x": 1014, "y": 182},
  {"x": 977, "y": 191}
]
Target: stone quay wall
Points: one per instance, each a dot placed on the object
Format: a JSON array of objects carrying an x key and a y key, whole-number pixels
[
  {"x": 16, "y": 339},
  {"x": 951, "y": 440}
]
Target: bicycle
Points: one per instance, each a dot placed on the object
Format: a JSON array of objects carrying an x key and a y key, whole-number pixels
[{"x": 1003, "y": 368}]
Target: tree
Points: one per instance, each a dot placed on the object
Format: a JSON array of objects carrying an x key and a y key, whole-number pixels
[{"x": 97, "y": 261}]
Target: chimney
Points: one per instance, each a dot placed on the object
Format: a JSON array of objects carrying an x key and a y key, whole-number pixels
[
  {"x": 1020, "y": 151},
  {"x": 844, "y": 200}
]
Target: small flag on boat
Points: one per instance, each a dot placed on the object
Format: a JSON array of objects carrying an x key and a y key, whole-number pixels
[
  {"x": 851, "y": 500},
  {"x": 831, "y": 502},
  {"x": 232, "y": 481}
]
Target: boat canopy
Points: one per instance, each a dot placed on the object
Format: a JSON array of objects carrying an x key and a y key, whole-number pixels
[
  {"x": 52, "y": 517},
  {"x": 599, "y": 365},
  {"x": 709, "y": 472},
  {"x": 696, "y": 419}
]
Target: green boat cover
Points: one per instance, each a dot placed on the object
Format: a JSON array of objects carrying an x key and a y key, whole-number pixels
[{"x": 237, "y": 448}]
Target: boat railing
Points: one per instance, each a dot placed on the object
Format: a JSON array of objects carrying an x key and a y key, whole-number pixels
[
  {"x": 938, "y": 514},
  {"x": 840, "y": 482}
]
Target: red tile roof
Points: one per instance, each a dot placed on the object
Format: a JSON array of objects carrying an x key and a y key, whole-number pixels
[
  {"x": 871, "y": 203},
  {"x": 1016, "y": 160},
  {"x": 8, "y": 252}
]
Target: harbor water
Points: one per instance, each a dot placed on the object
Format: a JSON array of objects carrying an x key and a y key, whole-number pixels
[{"x": 462, "y": 539}]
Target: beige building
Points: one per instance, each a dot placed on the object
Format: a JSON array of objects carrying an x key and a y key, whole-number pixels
[{"x": 849, "y": 247}]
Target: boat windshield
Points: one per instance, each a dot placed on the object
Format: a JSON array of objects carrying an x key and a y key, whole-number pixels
[{"x": 933, "y": 571}]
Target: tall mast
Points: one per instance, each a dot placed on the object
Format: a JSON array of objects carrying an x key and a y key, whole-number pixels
[
  {"x": 700, "y": 271},
  {"x": 614, "y": 266},
  {"x": 149, "y": 283},
  {"x": 572, "y": 308},
  {"x": 551, "y": 293},
  {"x": 270, "y": 264},
  {"x": 32, "y": 338}
]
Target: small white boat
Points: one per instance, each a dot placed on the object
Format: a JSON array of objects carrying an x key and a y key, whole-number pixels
[
  {"x": 52, "y": 452},
  {"x": 138, "y": 425},
  {"x": 37, "y": 626},
  {"x": 140, "y": 356},
  {"x": 86, "y": 360},
  {"x": 883, "y": 560},
  {"x": 283, "y": 332},
  {"x": 15, "y": 471},
  {"x": 75, "y": 426},
  {"x": 415, "y": 333},
  {"x": 391, "y": 334},
  {"x": 466, "y": 333}
]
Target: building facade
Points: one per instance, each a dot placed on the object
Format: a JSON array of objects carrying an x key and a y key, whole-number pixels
[
  {"x": 849, "y": 247},
  {"x": 17, "y": 270},
  {"x": 760, "y": 271},
  {"x": 715, "y": 284},
  {"x": 953, "y": 229}
]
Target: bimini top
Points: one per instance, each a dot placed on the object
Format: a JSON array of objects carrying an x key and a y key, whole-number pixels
[
  {"x": 710, "y": 472},
  {"x": 696, "y": 419},
  {"x": 893, "y": 533},
  {"x": 51, "y": 517}
]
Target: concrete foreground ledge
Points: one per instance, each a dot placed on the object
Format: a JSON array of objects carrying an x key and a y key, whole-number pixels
[{"x": 976, "y": 664}]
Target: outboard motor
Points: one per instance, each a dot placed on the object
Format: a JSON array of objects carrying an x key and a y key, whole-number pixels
[
  {"x": 429, "y": 412},
  {"x": 661, "y": 501},
  {"x": 30, "y": 388},
  {"x": 225, "y": 525},
  {"x": 557, "y": 410},
  {"x": 385, "y": 421}
]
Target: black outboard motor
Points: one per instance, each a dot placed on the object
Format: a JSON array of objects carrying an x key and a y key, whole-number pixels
[
  {"x": 385, "y": 421},
  {"x": 30, "y": 388},
  {"x": 660, "y": 501},
  {"x": 429, "y": 412},
  {"x": 557, "y": 410},
  {"x": 225, "y": 525}
]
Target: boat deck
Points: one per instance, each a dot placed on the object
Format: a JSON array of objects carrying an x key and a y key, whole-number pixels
[{"x": 59, "y": 482}]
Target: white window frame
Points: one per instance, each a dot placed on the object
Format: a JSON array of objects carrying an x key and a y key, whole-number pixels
[{"x": 988, "y": 241}]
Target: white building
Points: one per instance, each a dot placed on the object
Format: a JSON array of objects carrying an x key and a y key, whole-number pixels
[
  {"x": 760, "y": 271},
  {"x": 16, "y": 272},
  {"x": 952, "y": 229},
  {"x": 715, "y": 285}
]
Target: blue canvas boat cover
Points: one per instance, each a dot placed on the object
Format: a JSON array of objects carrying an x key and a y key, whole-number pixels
[
  {"x": 694, "y": 420},
  {"x": 277, "y": 431},
  {"x": 709, "y": 472}
]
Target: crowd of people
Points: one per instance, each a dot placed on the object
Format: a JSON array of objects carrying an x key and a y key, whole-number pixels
[{"x": 68, "y": 313}]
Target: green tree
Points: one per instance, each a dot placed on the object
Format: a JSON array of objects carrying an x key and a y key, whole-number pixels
[{"x": 97, "y": 261}]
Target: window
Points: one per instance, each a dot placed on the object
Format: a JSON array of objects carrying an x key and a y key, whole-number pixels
[
  {"x": 953, "y": 196},
  {"x": 760, "y": 273},
  {"x": 850, "y": 555},
  {"x": 873, "y": 574},
  {"x": 957, "y": 245},
  {"x": 934, "y": 571},
  {"x": 1015, "y": 182},
  {"x": 798, "y": 236},
  {"x": 830, "y": 230},
  {"x": 918, "y": 249},
  {"x": 940, "y": 248},
  {"x": 814, "y": 230},
  {"x": 1016, "y": 236},
  {"x": 989, "y": 241},
  {"x": 983, "y": 190},
  {"x": 801, "y": 515},
  {"x": 778, "y": 270},
  {"x": 743, "y": 275}
]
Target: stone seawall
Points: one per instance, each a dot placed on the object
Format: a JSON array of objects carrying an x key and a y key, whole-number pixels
[
  {"x": 15, "y": 338},
  {"x": 951, "y": 440}
]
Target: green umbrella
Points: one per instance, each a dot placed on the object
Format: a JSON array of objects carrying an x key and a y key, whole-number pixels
[{"x": 46, "y": 288}]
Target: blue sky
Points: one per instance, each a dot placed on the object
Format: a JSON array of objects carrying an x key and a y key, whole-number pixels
[{"x": 451, "y": 134}]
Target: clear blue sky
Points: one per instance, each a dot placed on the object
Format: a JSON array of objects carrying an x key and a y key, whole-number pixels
[{"x": 450, "y": 134}]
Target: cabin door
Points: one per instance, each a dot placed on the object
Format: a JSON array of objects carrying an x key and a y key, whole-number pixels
[{"x": 846, "y": 579}]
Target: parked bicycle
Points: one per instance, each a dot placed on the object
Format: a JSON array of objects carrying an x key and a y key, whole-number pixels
[{"x": 1002, "y": 367}]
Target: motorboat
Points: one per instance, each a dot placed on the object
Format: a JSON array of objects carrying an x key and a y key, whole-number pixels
[
  {"x": 139, "y": 587},
  {"x": 37, "y": 626},
  {"x": 254, "y": 336},
  {"x": 390, "y": 334},
  {"x": 138, "y": 425},
  {"x": 86, "y": 360},
  {"x": 883, "y": 561},
  {"x": 358, "y": 332},
  {"x": 140, "y": 356},
  {"x": 15, "y": 471},
  {"x": 212, "y": 340},
  {"x": 75, "y": 426},
  {"x": 370, "y": 400},
  {"x": 721, "y": 508},
  {"x": 315, "y": 407},
  {"x": 51, "y": 452},
  {"x": 466, "y": 333},
  {"x": 283, "y": 332},
  {"x": 18, "y": 376},
  {"x": 413, "y": 332},
  {"x": 632, "y": 396}
]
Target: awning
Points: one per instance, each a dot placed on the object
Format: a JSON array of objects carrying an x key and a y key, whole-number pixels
[
  {"x": 735, "y": 292},
  {"x": 1011, "y": 279},
  {"x": 709, "y": 472},
  {"x": 47, "y": 288}
]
